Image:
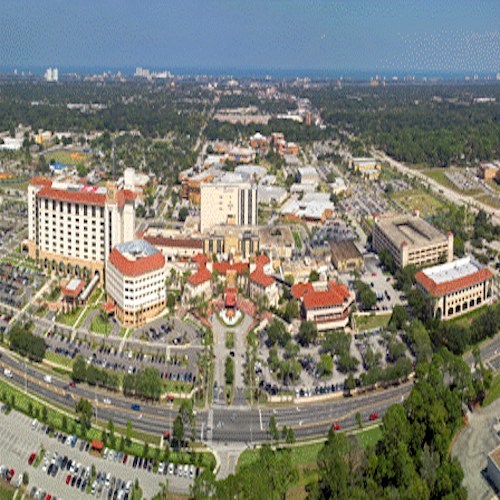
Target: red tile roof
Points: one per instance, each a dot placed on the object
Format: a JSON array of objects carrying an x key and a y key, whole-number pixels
[
  {"x": 70, "y": 292},
  {"x": 136, "y": 267},
  {"x": 334, "y": 295},
  {"x": 199, "y": 259},
  {"x": 41, "y": 181},
  {"x": 160, "y": 241},
  {"x": 440, "y": 289},
  {"x": 87, "y": 198},
  {"x": 260, "y": 277},
  {"x": 230, "y": 299},
  {"x": 108, "y": 307},
  {"x": 200, "y": 276},
  {"x": 262, "y": 260},
  {"x": 224, "y": 267},
  {"x": 125, "y": 195}
]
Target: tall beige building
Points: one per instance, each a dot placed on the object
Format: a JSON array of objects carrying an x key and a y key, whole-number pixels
[
  {"x": 73, "y": 228},
  {"x": 229, "y": 201},
  {"x": 411, "y": 240}
]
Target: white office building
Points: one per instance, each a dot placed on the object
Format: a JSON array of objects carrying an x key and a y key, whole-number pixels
[
  {"x": 72, "y": 228},
  {"x": 228, "y": 201}
]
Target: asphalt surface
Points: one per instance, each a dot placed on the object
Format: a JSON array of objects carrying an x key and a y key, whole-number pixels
[{"x": 221, "y": 424}]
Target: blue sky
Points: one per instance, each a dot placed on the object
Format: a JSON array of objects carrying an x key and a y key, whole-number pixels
[{"x": 378, "y": 35}]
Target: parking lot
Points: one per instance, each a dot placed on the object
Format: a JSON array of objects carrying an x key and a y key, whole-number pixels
[
  {"x": 179, "y": 365},
  {"x": 17, "y": 284},
  {"x": 18, "y": 441}
]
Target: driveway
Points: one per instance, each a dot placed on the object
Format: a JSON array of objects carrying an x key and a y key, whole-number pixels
[{"x": 472, "y": 447}]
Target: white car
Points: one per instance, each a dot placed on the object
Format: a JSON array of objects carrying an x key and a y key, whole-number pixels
[
  {"x": 170, "y": 468},
  {"x": 161, "y": 467},
  {"x": 186, "y": 470},
  {"x": 106, "y": 401}
]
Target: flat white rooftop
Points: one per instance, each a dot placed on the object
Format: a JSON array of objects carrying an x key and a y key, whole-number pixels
[
  {"x": 450, "y": 271},
  {"x": 73, "y": 284}
]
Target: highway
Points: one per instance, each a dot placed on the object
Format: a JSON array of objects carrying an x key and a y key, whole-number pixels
[{"x": 220, "y": 424}]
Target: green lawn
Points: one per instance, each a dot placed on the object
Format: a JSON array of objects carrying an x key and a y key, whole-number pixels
[
  {"x": 60, "y": 360},
  {"x": 229, "y": 339},
  {"x": 70, "y": 318},
  {"x": 307, "y": 454},
  {"x": 371, "y": 322},
  {"x": 100, "y": 326},
  {"x": 6, "y": 491},
  {"x": 493, "y": 392},
  {"x": 416, "y": 199},
  {"x": 298, "y": 240}
]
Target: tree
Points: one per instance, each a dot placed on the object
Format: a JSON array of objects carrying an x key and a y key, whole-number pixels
[
  {"x": 308, "y": 333},
  {"x": 83, "y": 409},
  {"x": 183, "y": 213},
  {"x": 277, "y": 333},
  {"x": 128, "y": 433},
  {"x": 291, "y": 310},
  {"x": 79, "y": 372},
  {"x": 399, "y": 317},
  {"x": 229, "y": 371},
  {"x": 313, "y": 276},
  {"x": 366, "y": 295},
  {"x": 178, "y": 431},
  {"x": 325, "y": 365},
  {"x": 273, "y": 429},
  {"x": 334, "y": 471}
]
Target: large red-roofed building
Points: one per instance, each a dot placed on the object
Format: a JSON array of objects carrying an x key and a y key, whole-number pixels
[
  {"x": 72, "y": 227},
  {"x": 456, "y": 288},
  {"x": 135, "y": 282},
  {"x": 327, "y": 304}
]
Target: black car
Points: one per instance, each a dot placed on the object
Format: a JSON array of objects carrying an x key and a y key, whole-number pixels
[
  {"x": 73, "y": 481},
  {"x": 134, "y": 463}
]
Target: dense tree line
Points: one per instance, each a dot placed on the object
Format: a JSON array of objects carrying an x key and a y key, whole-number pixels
[
  {"x": 83, "y": 372},
  {"x": 436, "y": 125},
  {"x": 145, "y": 383},
  {"x": 26, "y": 343},
  {"x": 155, "y": 112}
]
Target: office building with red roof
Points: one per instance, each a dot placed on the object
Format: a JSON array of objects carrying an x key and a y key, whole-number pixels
[
  {"x": 72, "y": 227},
  {"x": 457, "y": 287},
  {"x": 199, "y": 283},
  {"x": 261, "y": 284},
  {"x": 135, "y": 282},
  {"x": 328, "y": 304}
]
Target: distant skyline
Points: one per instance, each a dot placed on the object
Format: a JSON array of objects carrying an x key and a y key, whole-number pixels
[{"x": 435, "y": 36}]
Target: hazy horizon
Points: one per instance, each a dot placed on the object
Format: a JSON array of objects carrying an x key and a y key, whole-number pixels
[{"x": 379, "y": 36}]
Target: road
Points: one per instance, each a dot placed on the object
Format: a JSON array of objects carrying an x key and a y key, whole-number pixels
[
  {"x": 453, "y": 196},
  {"x": 226, "y": 424}
]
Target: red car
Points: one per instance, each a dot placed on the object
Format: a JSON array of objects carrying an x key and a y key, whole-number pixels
[
  {"x": 125, "y": 458},
  {"x": 68, "y": 479},
  {"x": 31, "y": 459},
  {"x": 72, "y": 384},
  {"x": 10, "y": 474},
  {"x": 374, "y": 274},
  {"x": 373, "y": 415},
  {"x": 336, "y": 426},
  {"x": 48, "y": 497}
]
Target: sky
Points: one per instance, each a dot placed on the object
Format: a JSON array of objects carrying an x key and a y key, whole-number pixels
[{"x": 325, "y": 35}]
